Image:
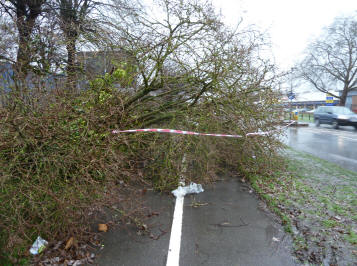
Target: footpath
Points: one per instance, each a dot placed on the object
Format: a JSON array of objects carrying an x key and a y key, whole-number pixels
[
  {"x": 227, "y": 224},
  {"x": 303, "y": 215}
]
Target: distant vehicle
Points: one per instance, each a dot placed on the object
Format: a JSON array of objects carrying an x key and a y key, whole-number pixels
[
  {"x": 335, "y": 116},
  {"x": 311, "y": 111}
]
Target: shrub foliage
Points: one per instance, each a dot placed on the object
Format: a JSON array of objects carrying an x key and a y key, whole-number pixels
[{"x": 59, "y": 159}]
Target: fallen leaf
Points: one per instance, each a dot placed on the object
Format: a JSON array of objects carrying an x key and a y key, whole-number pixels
[
  {"x": 69, "y": 243},
  {"x": 276, "y": 239},
  {"x": 102, "y": 228},
  {"x": 144, "y": 227}
]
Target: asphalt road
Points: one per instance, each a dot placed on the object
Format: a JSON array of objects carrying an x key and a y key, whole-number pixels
[
  {"x": 224, "y": 225},
  {"x": 335, "y": 145}
]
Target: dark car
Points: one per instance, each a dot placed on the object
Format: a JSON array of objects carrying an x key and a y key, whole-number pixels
[{"x": 335, "y": 116}]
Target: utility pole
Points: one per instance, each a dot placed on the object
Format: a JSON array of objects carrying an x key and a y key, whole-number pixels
[{"x": 291, "y": 94}]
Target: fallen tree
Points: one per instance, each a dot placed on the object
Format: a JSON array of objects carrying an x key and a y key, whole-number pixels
[{"x": 187, "y": 71}]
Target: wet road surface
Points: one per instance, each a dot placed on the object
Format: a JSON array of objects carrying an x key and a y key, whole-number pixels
[
  {"x": 338, "y": 146},
  {"x": 224, "y": 225},
  {"x": 233, "y": 228}
]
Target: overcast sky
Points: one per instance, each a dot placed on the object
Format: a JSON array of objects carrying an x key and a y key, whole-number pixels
[{"x": 291, "y": 24}]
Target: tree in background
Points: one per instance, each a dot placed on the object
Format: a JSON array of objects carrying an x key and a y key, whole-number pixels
[
  {"x": 73, "y": 18},
  {"x": 8, "y": 40},
  {"x": 24, "y": 13},
  {"x": 331, "y": 60}
]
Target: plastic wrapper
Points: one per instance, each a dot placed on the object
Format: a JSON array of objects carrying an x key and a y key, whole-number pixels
[
  {"x": 190, "y": 189},
  {"x": 38, "y": 246}
]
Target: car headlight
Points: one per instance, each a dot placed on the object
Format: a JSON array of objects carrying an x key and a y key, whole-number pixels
[{"x": 342, "y": 117}]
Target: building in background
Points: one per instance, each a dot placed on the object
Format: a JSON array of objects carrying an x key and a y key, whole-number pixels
[
  {"x": 36, "y": 85},
  {"x": 308, "y": 104},
  {"x": 351, "y": 100}
]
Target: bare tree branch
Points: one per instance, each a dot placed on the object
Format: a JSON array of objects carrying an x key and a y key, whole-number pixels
[{"x": 331, "y": 62}]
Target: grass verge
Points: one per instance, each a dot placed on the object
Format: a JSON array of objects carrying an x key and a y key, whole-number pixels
[{"x": 317, "y": 203}]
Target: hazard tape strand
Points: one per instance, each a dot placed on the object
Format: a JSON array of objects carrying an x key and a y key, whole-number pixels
[{"x": 183, "y": 132}]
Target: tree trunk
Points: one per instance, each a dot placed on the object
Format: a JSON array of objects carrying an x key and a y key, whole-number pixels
[
  {"x": 23, "y": 55},
  {"x": 71, "y": 83},
  {"x": 343, "y": 96},
  {"x": 24, "y": 52},
  {"x": 26, "y": 15},
  {"x": 23, "y": 59}
]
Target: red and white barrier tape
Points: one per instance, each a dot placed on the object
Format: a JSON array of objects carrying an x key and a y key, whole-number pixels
[{"x": 174, "y": 131}]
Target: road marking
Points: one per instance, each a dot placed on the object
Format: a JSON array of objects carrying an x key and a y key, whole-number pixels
[
  {"x": 173, "y": 255},
  {"x": 328, "y": 129},
  {"x": 343, "y": 158},
  {"x": 346, "y": 138},
  {"x": 340, "y": 134}
]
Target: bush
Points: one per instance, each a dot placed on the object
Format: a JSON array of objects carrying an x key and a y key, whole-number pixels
[
  {"x": 56, "y": 160},
  {"x": 60, "y": 159}
]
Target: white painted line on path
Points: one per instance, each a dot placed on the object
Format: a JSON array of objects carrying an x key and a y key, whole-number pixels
[{"x": 173, "y": 256}]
